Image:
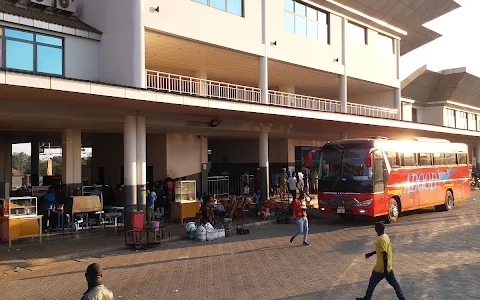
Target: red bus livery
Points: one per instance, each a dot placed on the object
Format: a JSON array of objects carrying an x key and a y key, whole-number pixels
[{"x": 380, "y": 177}]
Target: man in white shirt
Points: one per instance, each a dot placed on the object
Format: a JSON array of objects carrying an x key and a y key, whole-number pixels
[{"x": 292, "y": 187}]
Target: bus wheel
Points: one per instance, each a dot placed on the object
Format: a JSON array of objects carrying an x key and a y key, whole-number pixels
[
  {"x": 448, "y": 206},
  {"x": 393, "y": 211},
  {"x": 347, "y": 218}
]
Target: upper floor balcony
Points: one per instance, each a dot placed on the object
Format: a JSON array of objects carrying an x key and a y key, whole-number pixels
[{"x": 193, "y": 86}]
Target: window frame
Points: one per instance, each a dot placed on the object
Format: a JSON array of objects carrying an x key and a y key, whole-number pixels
[
  {"x": 391, "y": 39},
  {"x": 365, "y": 30},
  {"x": 451, "y": 118},
  {"x": 34, "y": 43},
  {"x": 226, "y": 7},
  {"x": 307, "y": 19}
]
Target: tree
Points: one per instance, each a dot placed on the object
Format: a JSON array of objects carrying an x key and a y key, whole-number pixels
[{"x": 21, "y": 161}]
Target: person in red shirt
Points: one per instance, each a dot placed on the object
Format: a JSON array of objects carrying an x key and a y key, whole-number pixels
[{"x": 300, "y": 216}]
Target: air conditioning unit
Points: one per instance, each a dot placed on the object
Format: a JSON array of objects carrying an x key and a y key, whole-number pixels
[
  {"x": 42, "y": 2},
  {"x": 66, "y": 5}
]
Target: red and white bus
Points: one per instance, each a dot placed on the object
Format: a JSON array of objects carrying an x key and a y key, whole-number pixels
[{"x": 381, "y": 177}]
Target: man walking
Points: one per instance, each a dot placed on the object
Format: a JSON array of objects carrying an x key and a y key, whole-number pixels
[
  {"x": 96, "y": 290},
  {"x": 300, "y": 216},
  {"x": 383, "y": 267},
  {"x": 292, "y": 187},
  {"x": 151, "y": 199}
]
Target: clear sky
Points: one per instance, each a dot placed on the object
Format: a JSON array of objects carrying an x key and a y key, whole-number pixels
[{"x": 458, "y": 47}]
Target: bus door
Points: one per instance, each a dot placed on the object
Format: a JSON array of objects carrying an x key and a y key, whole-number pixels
[{"x": 380, "y": 179}]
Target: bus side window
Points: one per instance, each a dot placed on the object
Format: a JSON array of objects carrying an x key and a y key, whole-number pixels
[
  {"x": 393, "y": 159},
  {"x": 425, "y": 159},
  {"x": 462, "y": 158},
  {"x": 407, "y": 159},
  {"x": 439, "y": 159},
  {"x": 450, "y": 158}
]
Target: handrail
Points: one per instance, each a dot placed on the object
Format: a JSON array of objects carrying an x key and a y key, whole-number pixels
[{"x": 215, "y": 89}]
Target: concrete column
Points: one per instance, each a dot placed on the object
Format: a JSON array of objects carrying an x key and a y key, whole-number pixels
[
  {"x": 34, "y": 163},
  {"x": 263, "y": 159},
  {"x": 343, "y": 93},
  {"x": 141, "y": 163},
  {"x": 263, "y": 78},
  {"x": 203, "y": 84},
  {"x": 72, "y": 158},
  {"x": 5, "y": 166},
  {"x": 138, "y": 54},
  {"x": 130, "y": 165},
  {"x": 477, "y": 155},
  {"x": 398, "y": 103},
  {"x": 204, "y": 166}
]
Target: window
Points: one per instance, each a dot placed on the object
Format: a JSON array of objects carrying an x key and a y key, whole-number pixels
[
  {"x": 1, "y": 47},
  {"x": 414, "y": 115},
  {"x": 472, "y": 121},
  {"x": 386, "y": 44},
  {"x": 305, "y": 21},
  {"x": 393, "y": 159},
  {"x": 450, "y": 118},
  {"x": 438, "y": 159},
  {"x": 357, "y": 33},
  {"x": 425, "y": 159},
  {"x": 407, "y": 159},
  {"x": 461, "y": 120},
  {"x": 28, "y": 51},
  {"x": 450, "y": 158},
  {"x": 462, "y": 158},
  {"x": 478, "y": 122},
  {"x": 232, "y": 6}
]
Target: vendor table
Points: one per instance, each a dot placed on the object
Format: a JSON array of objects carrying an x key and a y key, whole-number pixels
[
  {"x": 184, "y": 210},
  {"x": 21, "y": 227}
]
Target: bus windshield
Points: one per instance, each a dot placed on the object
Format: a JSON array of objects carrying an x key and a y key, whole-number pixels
[{"x": 344, "y": 169}]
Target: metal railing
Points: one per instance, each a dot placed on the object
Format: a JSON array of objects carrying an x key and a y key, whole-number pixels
[
  {"x": 304, "y": 102},
  {"x": 201, "y": 87},
  {"x": 371, "y": 111},
  {"x": 213, "y": 89},
  {"x": 219, "y": 185}
]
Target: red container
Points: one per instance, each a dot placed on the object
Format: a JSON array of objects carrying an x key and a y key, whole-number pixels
[{"x": 136, "y": 219}]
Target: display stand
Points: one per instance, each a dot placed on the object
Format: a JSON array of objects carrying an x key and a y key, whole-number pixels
[
  {"x": 185, "y": 205},
  {"x": 19, "y": 219}
]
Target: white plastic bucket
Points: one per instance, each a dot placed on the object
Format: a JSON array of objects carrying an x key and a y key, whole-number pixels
[
  {"x": 212, "y": 235},
  {"x": 221, "y": 233}
]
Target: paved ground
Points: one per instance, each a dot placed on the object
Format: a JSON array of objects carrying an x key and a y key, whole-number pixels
[{"x": 436, "y": 256}]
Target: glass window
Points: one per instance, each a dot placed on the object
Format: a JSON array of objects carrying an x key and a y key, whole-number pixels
[
  {"x": 1, "y": 31},
  {"x": 425, "y": 159},
  {"x": 407, "y": 159},
  {"x": 312, "y": 29},
  {"x": 385, "y": 43},
  {"x": 357, "y": 33},
  {"x": 289, "y": 22},
  {"x": 288, "y": 5},
  {"x": 323, "y": 33},
  {"x": 48, "y": 40},
  {"x": 439, "y": 159},
  {"x": 220, "y": 4},
  {"x": 322, "y": 18},
  {"x": 17, "y": 34},
  {"x": 311, "y": 13},
  {"x": 462, "y": 158},
  {"x": 202, "y": 1},
  {"x": 19, "y": 55},
  {"x": 300, "y": 9},
  {"x": 472, "y": 122},
  {"x": 235, "y": 7},
  {"x": 1, "y": 52},
  {"x": 450, "y": 158},
  {"x": 393, "y": 159},
  {"x": 462, "y": 120},
  {"x": 301, "y": 26},
  {"x": 478, "y": 122},
  {"x": 49, "y": 60},
  {"x": 450, "y": 118}
]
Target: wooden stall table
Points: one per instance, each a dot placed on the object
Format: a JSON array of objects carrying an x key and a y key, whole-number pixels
[
  {"x": 13, "y": 228},
  {"x": 184, "y": 210}
]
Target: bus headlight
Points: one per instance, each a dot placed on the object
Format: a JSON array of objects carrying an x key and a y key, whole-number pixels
[{"x": 365, "y": 203}]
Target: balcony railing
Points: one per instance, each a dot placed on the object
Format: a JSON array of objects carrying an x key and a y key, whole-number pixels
[
  {"x": 201, "y": 87},
  {"x": 213, "y": 89}
]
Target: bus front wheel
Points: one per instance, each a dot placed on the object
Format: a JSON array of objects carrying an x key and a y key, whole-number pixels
[
  {"x": 393, "y": 211},
  {"x": 448, "y": 206}
]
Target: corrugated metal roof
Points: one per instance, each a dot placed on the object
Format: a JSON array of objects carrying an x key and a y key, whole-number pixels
[{"x": 49, "y": 16}]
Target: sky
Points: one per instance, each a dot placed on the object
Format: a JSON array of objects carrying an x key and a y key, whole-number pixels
[{"x": 458, "y": 47}]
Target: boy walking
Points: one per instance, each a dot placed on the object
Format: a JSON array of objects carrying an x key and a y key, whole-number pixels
[{"x": 383, "y": 267}]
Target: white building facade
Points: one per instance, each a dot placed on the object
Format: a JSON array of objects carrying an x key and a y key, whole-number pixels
[{"x": 154, "y": 86}]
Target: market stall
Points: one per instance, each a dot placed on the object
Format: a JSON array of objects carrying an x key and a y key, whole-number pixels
[
  {"x": 186, "y": 204},
  {"x": 19, "y": 219}
]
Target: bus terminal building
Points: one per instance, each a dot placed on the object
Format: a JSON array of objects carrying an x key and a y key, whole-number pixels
[{"x": 196, "y": 88}]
